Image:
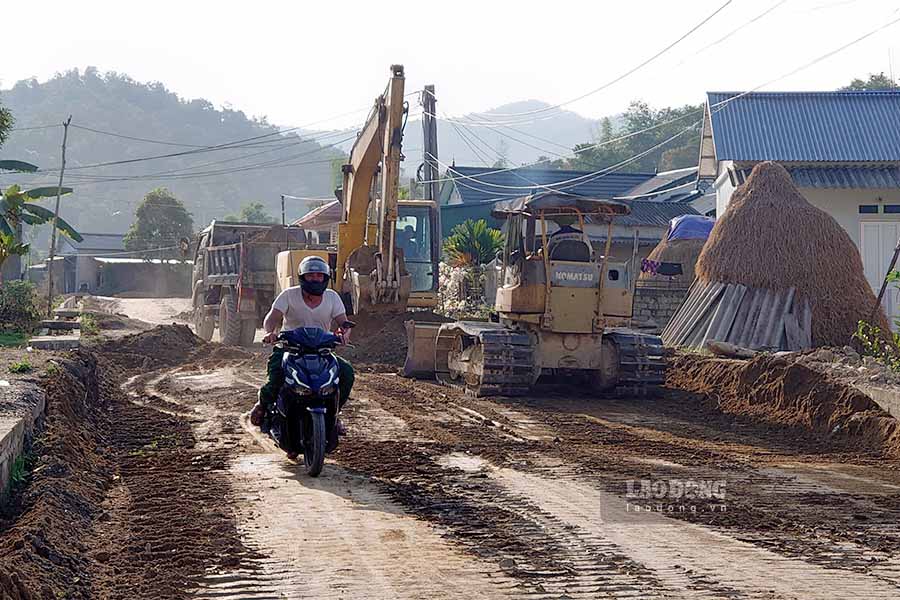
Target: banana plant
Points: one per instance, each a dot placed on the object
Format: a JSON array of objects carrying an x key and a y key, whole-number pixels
[
  {"x": 17, "y": 205},
  {"x": 9, "y": 246}
]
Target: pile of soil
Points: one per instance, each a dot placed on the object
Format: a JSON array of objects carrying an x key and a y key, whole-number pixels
[
  {"x": 117, "y": 321},
  {"x": 185, "y": 316},
  {"x": 770, "y": 237},
  {"x": 380, "y": 341},
  {"x": 164, "y": 345},
  {"x": 784, "y": 391},
  {"x": 44, "y": 529}
]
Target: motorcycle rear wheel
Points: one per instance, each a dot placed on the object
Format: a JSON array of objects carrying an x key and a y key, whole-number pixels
[{"x": 314, "y": 445}]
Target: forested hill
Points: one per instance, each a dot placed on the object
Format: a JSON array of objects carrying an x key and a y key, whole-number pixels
[{"x": 211, "y": 183}]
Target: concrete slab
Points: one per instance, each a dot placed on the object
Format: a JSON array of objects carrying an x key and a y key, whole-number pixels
[
  {"x": 57, "y": 325},
  {"x": 17, "y": 427},
  {"x": 67, "y": 313},
  {"x": 887, "y": 398},
  {"x": 55, "y": 342}
]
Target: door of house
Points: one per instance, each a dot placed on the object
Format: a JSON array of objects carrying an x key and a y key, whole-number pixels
[{"x": 877, "y": 242}]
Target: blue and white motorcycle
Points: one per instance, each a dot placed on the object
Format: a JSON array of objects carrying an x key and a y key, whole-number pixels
[{"x": 303, "y": 418}]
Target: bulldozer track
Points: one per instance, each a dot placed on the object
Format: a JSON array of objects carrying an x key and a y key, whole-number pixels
[{"x": 505, "y": 365}]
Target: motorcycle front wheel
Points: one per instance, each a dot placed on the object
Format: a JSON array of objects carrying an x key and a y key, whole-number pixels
[{"x": 314, "y": 445}]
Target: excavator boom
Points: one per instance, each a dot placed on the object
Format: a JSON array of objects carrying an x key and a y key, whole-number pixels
[{"x": 368, "y": 265}]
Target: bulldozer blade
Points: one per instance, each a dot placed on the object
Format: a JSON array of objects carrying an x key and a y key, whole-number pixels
[{"x": 420, "y": 338}]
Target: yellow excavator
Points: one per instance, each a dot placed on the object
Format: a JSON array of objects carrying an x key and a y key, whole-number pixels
[
  {"x": 562, "y": 309},
  {"x": 387, "y": 249}
]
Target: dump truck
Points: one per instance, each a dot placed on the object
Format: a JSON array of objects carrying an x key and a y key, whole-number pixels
[
  {"x": 234, "y": 276},
  {"x": 563, "y": 308}
]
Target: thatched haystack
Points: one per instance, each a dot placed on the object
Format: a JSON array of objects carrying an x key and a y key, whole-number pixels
[
  {"x": 676, "y": 251},
  {"x": 770, "y": 237}
]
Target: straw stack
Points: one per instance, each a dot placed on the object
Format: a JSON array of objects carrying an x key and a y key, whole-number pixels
[{"x": 771, "y": 238}]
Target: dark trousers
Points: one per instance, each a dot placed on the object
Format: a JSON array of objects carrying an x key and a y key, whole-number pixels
[{"x": 269, "y": 391}]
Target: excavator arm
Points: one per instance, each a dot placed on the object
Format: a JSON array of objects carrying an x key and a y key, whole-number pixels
[{"x": 368, "y": 265}]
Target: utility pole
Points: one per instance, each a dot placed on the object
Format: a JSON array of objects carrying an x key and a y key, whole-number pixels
[
  {"x": 431, "y": 171},
  {"x": 62, "y": 169},
  {"x": 429, "y": 128}
]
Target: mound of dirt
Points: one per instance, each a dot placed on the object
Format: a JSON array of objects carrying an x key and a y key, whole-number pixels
[
  {"x": 117, "y": 322},
  {"x": 785, "y": 391},
  {"x": 44, "y": 531},
  {"x": 380, "y": 341},
  {"x": 770, "y": 237},
  {"x": 163, "y": 345}
]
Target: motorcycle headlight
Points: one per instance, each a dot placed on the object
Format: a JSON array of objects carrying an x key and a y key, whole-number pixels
[
  {"x": 301, "y": 389},
  {"x": 326, "y": 390}
]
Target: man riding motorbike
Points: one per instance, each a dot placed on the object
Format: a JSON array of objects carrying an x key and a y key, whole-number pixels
[{"x": 310, "y": 304}]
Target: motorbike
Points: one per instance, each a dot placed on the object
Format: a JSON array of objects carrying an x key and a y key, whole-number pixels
[{"x": 303, "y": 418}]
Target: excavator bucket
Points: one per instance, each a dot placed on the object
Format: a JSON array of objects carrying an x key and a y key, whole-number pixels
[
  {"x": 361, "y": 274},
  {"x": 421, "y": 338}
]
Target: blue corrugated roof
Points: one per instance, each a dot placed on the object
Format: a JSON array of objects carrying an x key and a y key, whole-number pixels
[
  {"x": 490, "y": 185},
  {"x": 807, "y": 126},
  {"x": 846, "y": 177},
  {"x": 652, "y": 213}
]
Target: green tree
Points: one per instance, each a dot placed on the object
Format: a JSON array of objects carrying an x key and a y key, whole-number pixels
[
  {"x": 161, "y": 221},
  {"x": 6, "y": 123},
  {"x": 875, "y": 82},
  {"x": 252, "y": 212},
  {"x": 472, "y": 243},
  {"x": 608, "y": 150}
]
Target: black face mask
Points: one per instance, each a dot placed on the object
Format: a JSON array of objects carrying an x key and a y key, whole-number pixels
[{"x": 315, "y": 288}]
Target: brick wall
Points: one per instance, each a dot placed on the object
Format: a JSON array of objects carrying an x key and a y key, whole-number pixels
[{"x": 655, "y": 306}]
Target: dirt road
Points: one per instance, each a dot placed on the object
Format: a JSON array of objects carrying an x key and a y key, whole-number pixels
[{"x": 437, "y": 495}]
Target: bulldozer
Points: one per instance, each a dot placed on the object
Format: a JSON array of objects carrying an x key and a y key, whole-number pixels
[
  {"x": 562, "y": 309},
  {"x": 388, "y": 249}
]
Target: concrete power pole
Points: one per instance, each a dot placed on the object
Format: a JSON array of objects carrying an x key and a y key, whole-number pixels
[
  {"x": 62, "y": 169},
  {"x": 429, "y": 128},
  {"x": 431, "y": 173}
]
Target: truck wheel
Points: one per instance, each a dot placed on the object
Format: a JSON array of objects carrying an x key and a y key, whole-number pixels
[
  {"x": 229, "y": 320},
  {"x": 204, "y": 324},
  {"x": 248, "y": 332}
]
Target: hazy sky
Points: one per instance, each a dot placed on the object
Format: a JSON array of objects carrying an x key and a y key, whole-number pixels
[{"x": 304, "y": 61}]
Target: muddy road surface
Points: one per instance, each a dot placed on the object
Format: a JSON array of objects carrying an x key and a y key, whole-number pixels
[{"x": 433, "y": 494}]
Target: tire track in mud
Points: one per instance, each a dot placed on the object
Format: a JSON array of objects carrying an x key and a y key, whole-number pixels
[
  {"x": 336, "y": 536},
  {"x": 878, "y": 576},
  {"x": 519, "y": 515}
]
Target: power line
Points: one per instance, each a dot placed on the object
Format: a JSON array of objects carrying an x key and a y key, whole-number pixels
[
  {"x": 734, "y": 31},
  {"x": 587, "y": 176},
  {"x": 712, "y": 108},
  {"x": 626, "y": 73},
  {"x": 168, "y": 174},
  {"x": 224, "y": 146},
  {"x": 35, "y": 127}
]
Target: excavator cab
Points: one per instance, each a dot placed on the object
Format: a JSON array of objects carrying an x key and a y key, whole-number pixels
[
  {"x": 418, "y": 240},
  {"x": 560, "y": 309}
]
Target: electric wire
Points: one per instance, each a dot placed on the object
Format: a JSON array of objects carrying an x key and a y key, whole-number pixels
[{"x": 627, "y": 73}]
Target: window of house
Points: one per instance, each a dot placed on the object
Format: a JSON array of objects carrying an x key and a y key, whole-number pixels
[
  {"x": 869, "y": 209},
  {"x": 892, "y": 209}
]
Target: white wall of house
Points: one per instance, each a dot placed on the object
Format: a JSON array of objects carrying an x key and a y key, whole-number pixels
[
  {"x": 723, "y": 187},
  {"x": 86, "y": 269}
]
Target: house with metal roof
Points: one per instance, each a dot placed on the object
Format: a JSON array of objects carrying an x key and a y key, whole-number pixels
[
  {"x": 82, "y": 271},
  {"x": 655, "y": 199},
  {"x": 841, "y": 148}
]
